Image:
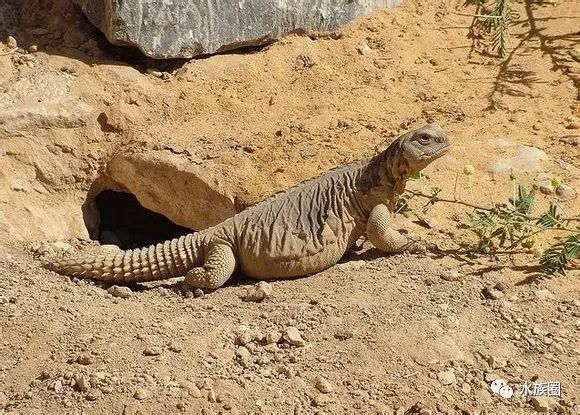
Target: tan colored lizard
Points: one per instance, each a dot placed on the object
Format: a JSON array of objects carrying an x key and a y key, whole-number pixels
[{"x": 301, "y": 231}]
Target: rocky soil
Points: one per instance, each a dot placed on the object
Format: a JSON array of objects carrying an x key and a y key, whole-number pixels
[{"x": 198, "y": 140}]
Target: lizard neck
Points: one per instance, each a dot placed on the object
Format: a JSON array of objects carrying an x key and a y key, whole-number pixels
[{"x": 382, "y": 179}]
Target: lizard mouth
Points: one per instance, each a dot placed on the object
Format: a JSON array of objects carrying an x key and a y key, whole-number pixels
[{"x": 435, "y": 154}]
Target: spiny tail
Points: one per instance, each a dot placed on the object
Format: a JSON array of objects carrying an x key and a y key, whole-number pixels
[{"x": 157, "y": 262}]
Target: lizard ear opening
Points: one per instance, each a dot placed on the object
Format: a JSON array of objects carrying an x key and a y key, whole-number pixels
[{"x": 117, "y": 218}]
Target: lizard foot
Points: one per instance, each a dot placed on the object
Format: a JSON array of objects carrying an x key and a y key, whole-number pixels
[{"x": 218, "y": 267}]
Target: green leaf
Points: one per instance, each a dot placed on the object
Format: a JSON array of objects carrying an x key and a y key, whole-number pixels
[
  {"x": 556, "y": 259},
  {"x": 550, "y": 219}
]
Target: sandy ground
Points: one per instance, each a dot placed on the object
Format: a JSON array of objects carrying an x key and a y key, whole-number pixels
[{"x": 415, "y": 334}]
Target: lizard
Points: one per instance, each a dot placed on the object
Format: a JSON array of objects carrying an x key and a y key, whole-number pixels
[{"x": 294, "y": 233}]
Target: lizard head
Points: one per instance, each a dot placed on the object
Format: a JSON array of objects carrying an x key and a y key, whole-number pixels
[
  {"x": 408, "y": 155},
  {"x": 422, "y": 146}
]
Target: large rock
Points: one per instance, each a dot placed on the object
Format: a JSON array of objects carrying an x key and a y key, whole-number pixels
[{"x": 186, "y": 28}]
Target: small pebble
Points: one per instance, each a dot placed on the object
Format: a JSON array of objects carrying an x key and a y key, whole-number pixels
[
  {"x": 33, "y": 48},
  {"x": 323, "y": 385},
  {"x": 141, "y": 394},
  {"x": 490, "y": 376},
  {"x": 152, "y": 351},
  {"x": 92, "y": 396},
  {"x": 272, "y": 337},
  {"x": 502, "y": 286},
  {"x": 175, "y": 347},
  {"x": 155, "y": 72},
  {"x": 211, "y": 396},
  {"x": 243, "y": 352},
  {"x": 564, "y": 191},
  {"x": 492, "y": 293},
  {"x": 447, "y": 377},
  {"x": 546, "y": 188},
  {"x": 258, "y": 292},
  {"x": 308, "y": 152},
  {"x": 364, "y": 49},
  {"x": 321, "y": 400},
  {"x": 58, "y": 386},
  {"x": 244, "y": 338},
  {"x": 434, "y": 62},
  {"x": 120, "y": 292},
  {"x": 191, "y": 388},
  {"x": 293, "y": 337},
  {"x": 82, "y": 382},
  {"x": 344, "y": 334},
  {"x": 450, "y": 276},
  {"x": 85, "y": 359},
  {"x": 11, "y": 42}
]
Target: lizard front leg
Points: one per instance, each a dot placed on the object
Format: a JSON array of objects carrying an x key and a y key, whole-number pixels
[
  {"x": 381, "y": 235},
  {"x": 218, "y": 266}
]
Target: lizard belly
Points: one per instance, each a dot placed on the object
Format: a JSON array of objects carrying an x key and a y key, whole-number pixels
[{"x": 295, "y": 254}]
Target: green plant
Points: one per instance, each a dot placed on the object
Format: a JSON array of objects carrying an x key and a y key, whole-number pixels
[
  {"x": 495, "y": 23},
  {"x": 559, "y": 256},
  {"x": 508, "y": 226}
]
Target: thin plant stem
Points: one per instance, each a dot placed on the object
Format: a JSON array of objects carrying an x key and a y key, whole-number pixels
[{"x": 487, "y": 209}]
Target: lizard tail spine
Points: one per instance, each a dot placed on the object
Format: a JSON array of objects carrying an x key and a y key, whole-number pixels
[{"x": 170, "y": 259}]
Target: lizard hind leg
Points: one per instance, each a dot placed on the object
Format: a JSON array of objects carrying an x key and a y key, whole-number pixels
[
  {"x": 219, "y": 265},
  {"x": 381, "y": 235}
]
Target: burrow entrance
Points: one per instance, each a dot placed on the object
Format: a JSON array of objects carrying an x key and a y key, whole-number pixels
[
  {"x": 124, "y": 222},
  {"x": 145, "y": 198}
]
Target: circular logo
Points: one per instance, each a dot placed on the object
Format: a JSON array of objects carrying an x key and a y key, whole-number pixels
[
  {"x": 506, "y": 392},
  {"x": 497, "y": 384}
]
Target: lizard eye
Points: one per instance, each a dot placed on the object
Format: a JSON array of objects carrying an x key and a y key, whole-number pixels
[{"x": 424, "y": 139}]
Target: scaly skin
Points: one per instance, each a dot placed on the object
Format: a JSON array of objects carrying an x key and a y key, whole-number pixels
[{"x": 301, "y": 231}]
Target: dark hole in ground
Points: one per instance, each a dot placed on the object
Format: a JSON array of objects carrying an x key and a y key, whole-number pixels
[{"x": 126, "y": 223}]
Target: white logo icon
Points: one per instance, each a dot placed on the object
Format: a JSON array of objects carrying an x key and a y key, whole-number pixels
[
  {"x": 498, "y": 384},
  {"x": 501, "y": 388},
  {"x": 506, "y": 392}
]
